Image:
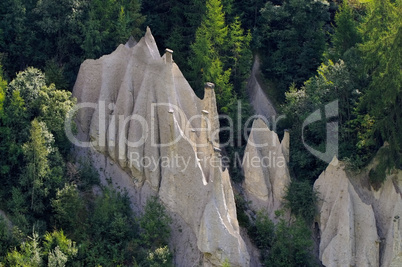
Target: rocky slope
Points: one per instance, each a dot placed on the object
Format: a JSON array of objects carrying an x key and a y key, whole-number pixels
[{"x": 359, "y": 226}]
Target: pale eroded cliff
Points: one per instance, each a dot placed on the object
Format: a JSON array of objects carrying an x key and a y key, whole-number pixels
[
  {"x": 152, "y": 135},
  {"x": 359, "y": 226},
  {"x": 266, "y": 173}
]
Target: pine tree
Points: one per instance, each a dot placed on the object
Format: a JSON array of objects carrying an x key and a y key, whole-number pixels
[
  {"x": 346, "y": 31},
  {"x": 36, "y": 153},
  {"x": 240, "y": 55},
  {"x": 381, "y": 48},
  {"x": 292, "y": 41},
  {"x": 110, "y": 23},
  {"x": 249, "y": 12},
  {"x": 208, "y": 52}
]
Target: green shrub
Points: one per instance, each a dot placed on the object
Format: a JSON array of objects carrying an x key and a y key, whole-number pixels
[
  {"x": 58, "y": 248},
  {"x": 378, "y": 174},
  {"x": 69, "y": 209},
  {"x": 88, "y": 175},
  {"x": 154, "y": 224},
  {"x": 292, "y": 245},
  {"x": 241, "y": 207},
  {"x": 161, "y": 257},
  {"x": 302, "y": 199},
  {"x": 5, "y": 237},
  {"x": 264, "y": 231}
]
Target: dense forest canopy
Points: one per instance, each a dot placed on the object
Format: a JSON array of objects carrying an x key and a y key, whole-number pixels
[{"x": 312, "y": 52}]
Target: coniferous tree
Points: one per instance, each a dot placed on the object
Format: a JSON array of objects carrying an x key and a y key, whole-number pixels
[
  {"x": 249, "y": 12},
  {"x": 207, "y": 49},
  {"x": 17, "y": 49},
  {"x": 37, "y": 170},
  {"x": 101, "y": 34},
  {"x": 346, "y": 33},
  {"x": 239, "y": 56},
  {"x": 381, "y": 49},
  {"x": 292, "y": 40}
]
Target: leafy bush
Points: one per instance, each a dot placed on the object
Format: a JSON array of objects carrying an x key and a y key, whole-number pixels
[
  {"x": 4, "y": 237},
  {"x": 161, "y": 257},
  {"x": 88, "y": 175},
  {"x": 378, "y": 174},
  {"x": 56, "y": 250},
  {"x": 154, "y": 224},
  {"x": 292, "y": 245},
  {"x": 111, "y": 229},
  {"x": 302, "y": 199},
  {"x": 241, "y": 207},
  {"x": 28, "y": 254},
  {"x": 264, "y": 231},
  {"x": 69, "y": 210}
]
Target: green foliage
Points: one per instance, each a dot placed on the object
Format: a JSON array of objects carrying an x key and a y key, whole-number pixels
[
  {"x": 291, "y": 40},
  {"x": 47, "y": 103},
  {"x": 59, "y": 35},
  {"x": 88, "y": 175},
  {"x": 55, "y": 106},
  {"x": 249, "y": 12},
  {"x": 111, "y": 231},
  {"x": 226, "y": 263},
  {"x": 54, "y": 73},
  {"x": 221, "y": 55},
  {"x": 346, "y": 33},
  {"x": 32, "y": 167},
  {"x": 161, "y": 257},
  {"x": 283, "y": 244},
  {"x": 240, "y": 56},
  {"x": 333, "y": 81},
  {"x": 174, "y": 24},
  {"x": 28, "y": 254},
  {"x": 14, "y": 129},
  {"x": 15, "y": 30},
  {"x": 385, "y": 163},
  {"x": 292, "y": 245},
  {"x": 381, "y": 49},
  {"x": 69, "y": 210},
  {"x": 28, "y": 83},
  {"x": 36, "y": 171},
  {"x": 37, "y": 31},
  {"x": 55, "y": 251},
  {"x": 263, "y": 235},
  {"x": 58, "y": 248},
  {"x": 301, "y": 199},
  {"x": 155, "y": 224},
  {"x": 241, "y": 207},
  {"x": 16, "y": 119},
  {"x": 102, "y": 34},
  {"x": 3, "y": 86},
  {"x": 206, "y": 63},
  {"x": 5, "y": 236}
]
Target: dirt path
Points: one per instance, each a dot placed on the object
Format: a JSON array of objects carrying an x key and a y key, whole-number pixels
[{"x": 260, "y": 102}]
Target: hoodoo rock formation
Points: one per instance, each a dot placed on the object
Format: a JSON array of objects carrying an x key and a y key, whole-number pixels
[
  {"x": 152, "y": 135},
  {"x": 146, "y": 131},
  {"x": 359, "y": 226},
  {"x": 265, "y": 169}
]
